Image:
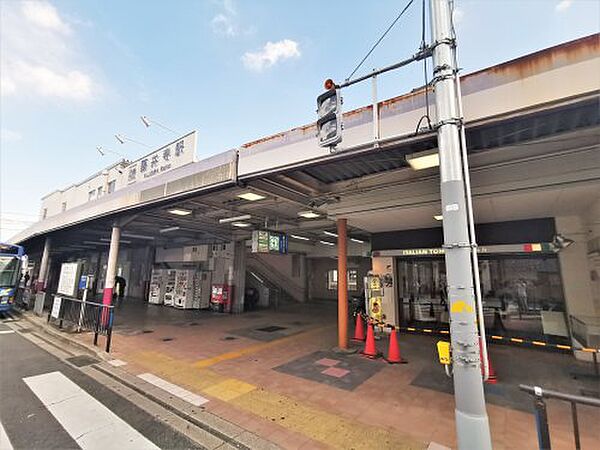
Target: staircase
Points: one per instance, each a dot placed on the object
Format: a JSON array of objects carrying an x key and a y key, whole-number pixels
[{"x": 276, "y": 280}]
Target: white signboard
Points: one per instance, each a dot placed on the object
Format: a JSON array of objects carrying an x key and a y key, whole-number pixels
[
  {"x": 176, "y": 154},
  {"x": 69, "y": 279},
  {"x": 56, "y": 307}
]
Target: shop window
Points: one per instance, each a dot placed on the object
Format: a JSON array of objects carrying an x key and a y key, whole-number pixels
[
  {"x": 111, "y": 186},
  {"x": 332, "y": 279}
]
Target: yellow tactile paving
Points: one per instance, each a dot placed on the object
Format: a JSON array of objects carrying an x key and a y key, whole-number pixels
[
  {"x": 229, "y": 389},
  {"x": 319, "y": 425},
  {"x": 285, "y": 411}
]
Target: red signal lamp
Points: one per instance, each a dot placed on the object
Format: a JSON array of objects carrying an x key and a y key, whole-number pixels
[{"x": 329, "y": 84}]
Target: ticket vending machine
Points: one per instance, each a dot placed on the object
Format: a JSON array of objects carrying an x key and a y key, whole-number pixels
[{"x": 381, "y": 292}]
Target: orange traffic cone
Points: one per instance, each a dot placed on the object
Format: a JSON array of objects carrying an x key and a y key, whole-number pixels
[
  {"x": 359, "y": 330},
  {"x": 492, "y": 378},
  {"x": 394, "y": 350},
  {"x": 370, "y": 350}
]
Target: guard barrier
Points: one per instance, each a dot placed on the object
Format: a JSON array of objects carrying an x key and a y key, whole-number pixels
[
  {"x": 84, "y": 316},
  {"x": 541, "y": 416}
]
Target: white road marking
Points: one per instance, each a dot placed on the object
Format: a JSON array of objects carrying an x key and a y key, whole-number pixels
[
  {"x": 6, "y": 332},
  {"x": 171, "y": 388},
  {"x": 117, "y": 362},
  {"x": 4, "y": 440},
  {"x": 91, "y": 424}
]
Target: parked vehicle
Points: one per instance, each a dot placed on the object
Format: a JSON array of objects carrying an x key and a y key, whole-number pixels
[{"x": 11, "y": 263}]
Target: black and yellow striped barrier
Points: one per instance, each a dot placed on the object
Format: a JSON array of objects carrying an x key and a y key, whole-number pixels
[{"x": 517, "y": 341}]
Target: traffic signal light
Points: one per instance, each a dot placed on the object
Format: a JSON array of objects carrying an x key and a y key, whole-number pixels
[{"x": 329, "y": 116}]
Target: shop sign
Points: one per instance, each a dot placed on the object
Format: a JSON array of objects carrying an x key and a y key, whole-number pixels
[
  {"x": 542, "y": 247},
  {"x": 171, "y": 156},
  {"x": 264, "y": 241}
]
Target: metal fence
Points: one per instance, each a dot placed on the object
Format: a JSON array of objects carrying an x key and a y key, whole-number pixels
[
  {"x": 83, "y": 316},
  {"x": 541, "y": 416}
]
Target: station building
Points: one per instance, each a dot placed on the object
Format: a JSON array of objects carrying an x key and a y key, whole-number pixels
[{"x": 272, "y": 221}]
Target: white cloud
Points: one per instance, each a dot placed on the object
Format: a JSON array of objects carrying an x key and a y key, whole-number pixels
[
  {"x": 222, "y": 24},
  {"x": 7, "y": 135},
  {"x": 271, "y": 54},
  {"x": 40, "y": 55},
  {"x": 563, "y": 5},
  {"x": 44, "y": 14}
]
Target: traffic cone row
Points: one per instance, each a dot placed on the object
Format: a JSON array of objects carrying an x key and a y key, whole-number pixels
[
  {"x": 370, "y": 351},
  {"x": 359, "y": 329}
]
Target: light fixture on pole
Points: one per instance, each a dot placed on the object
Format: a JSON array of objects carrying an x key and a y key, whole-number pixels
[
  {"x": 147, "y": 122},
  {"x": 121, "y": 138},
  {"x": 103, "y": 151},
  {"x": 235, "y": 219}
]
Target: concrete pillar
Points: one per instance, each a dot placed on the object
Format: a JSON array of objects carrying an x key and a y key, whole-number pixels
[
  {"x": 239, "y": 276},
  {"x": 43, "y": 274},
  {"x": 342, "y": 284},
  {"x": 574, "y": 267},
  {"x": 111, "y": 268}
]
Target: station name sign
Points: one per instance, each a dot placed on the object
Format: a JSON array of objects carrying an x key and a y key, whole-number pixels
[
  {"x": 264, "y": 241},
  {"x": 176, "y": 154}
]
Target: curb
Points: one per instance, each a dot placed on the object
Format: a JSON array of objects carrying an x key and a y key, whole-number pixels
[{"x": 45, "y": 327}]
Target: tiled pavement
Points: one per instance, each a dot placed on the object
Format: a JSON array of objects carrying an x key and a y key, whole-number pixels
[{"x": 277, "y": 388}]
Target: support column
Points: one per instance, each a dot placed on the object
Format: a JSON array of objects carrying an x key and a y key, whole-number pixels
[
  {"x": 111, "y": 267},
  {"x": 342, "y": 284},
  {"x": 40, "y": 284},
  {"x": 239, "y": 277}
]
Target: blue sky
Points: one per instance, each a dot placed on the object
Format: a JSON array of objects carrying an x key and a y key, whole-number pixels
[{"x": 74, "y": 73}]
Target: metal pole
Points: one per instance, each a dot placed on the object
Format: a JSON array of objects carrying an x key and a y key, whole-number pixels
[
  {"x": 541, "y": 419},
  {"x": 342, "y": 285},
  {"x": 375, "y": 109},
  {"x": 472, "y": 425}
]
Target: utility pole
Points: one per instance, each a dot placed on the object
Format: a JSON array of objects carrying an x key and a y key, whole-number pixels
[{"x": 472, "y": 425}]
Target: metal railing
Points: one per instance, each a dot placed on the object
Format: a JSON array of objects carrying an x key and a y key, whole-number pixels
[
  {"x": 541, "y": 417},
  {"x": 84, "y": 316}
]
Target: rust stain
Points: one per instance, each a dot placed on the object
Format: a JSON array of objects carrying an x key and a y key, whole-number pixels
[{"x": 522, "y": 67}]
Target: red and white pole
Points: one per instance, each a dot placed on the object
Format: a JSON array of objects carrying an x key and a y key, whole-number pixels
[
  {"x": 111, "y": 269},
  {"x": 40, "y": 285}
]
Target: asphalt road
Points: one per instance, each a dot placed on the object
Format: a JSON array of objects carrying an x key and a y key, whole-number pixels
[{"x": 47, "y": 403}]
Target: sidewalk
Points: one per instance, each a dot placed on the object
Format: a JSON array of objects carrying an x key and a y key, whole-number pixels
[{"x": 286, "y": 385}]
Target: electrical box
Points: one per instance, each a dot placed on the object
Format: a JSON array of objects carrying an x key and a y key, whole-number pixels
[{"x": 443, "y": 348}]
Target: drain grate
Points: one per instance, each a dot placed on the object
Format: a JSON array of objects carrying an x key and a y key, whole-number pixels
[
  {"x": 167, "y": 339},
  {"x": 147, "y": 331},
  {"x": 229, "y": 338},
  {"x": 82, "y": 360},
  {"x": 271, "y": 329}
]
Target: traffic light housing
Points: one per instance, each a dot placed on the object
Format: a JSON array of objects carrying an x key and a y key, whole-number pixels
[{"x": 329, "y": 116}]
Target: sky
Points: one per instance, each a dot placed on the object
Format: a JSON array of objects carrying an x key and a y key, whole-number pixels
[{"x": 74, "y": 73}]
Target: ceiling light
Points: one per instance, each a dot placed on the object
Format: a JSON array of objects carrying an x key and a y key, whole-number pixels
[
  {"x": 137, "y": 236},
  {"x": 251, "y": 196},
  {"x": 329, "y": 233},
  {"x": 166, "y": 230},
  {"x": 438, "y": 217},
  {"x": 326, "y": 243},
  {"x": 423, "y": 160},
  {"x": 309, "y": 214},
  {"x": 96, "y": 243},
  {"x": 121, "y": 241},
  {"x": 235, "y": 219},
  {"x": 358, "y": 241},
  {"x": 180, "y": 211},
  {"x": 241, "y": 224},
  {"x": 302, "y": 238}
]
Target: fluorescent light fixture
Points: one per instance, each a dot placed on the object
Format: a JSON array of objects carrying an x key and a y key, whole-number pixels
[
  {"x": 329, "y": 233},
  {"x": 301, "y": 238},
  {"x": 251, "y": 196},
  {"x": 423, "y": 160},
  {"x": 235, "y": 219},
  {"x": 241, "y": 224},
  {"x": 326, "y": 243},
  {"x": 358, "y": 241},
  {"x": 137, "y": 236},
  {"x": 122, "y": 241},
  {"x": 438, "y": 217},
  {"x": 309, "y": 214},
  {"x": 180, "y": 211},
  {"x": 96, "y": 243},
  {"x": 166, "y": 230},
  {"x": 257, "y": 277}
]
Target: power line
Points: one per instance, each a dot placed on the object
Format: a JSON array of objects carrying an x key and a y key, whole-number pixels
[{"x": 381, "y": 38}]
